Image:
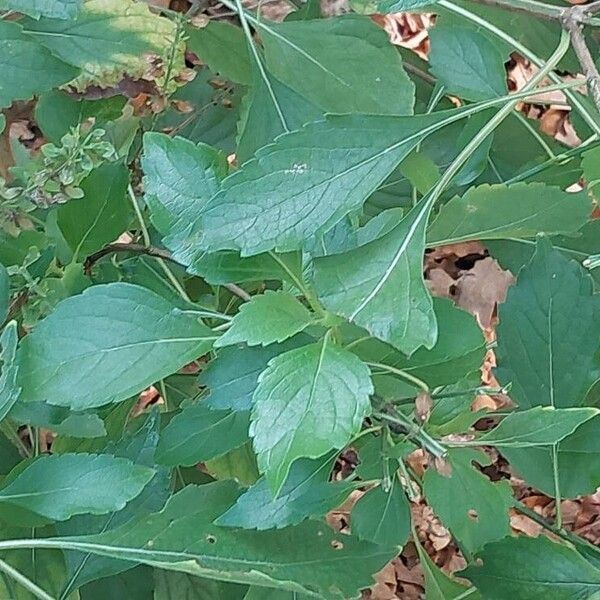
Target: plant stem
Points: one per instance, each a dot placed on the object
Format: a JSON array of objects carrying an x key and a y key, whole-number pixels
[
  {"x": 557, "y": 494},
  {"x": 572, "y": 20},
  {"x": 29, "y": 585},
  {"x": 590, "y": 119},
  {"x": 540, "y": 10},
  {"x": 404, "y": 374},
  {"x": 416, "y": 432}
]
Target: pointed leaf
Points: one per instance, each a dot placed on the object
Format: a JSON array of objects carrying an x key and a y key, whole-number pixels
[
  {"x": 327, "y": 170},
  {"x": 198, "y": 434},
  {"x": 305, "y": 493},
  {"x": 60, "y": 486},
  {"x": 139, "y": 448},
  {"x": 546, "y": 569},
  {"x": 222, "y": 46},
  {"x": 363, "y": 284},
  {"x": 478, "y": 510},
  {"x": 538, "y": 426},
  {"x": 307, "y": 402},
  {"x": 116, "y": 338},
  {"x": 232, "y": 376},
  {"x": 382, "y": 517},
  {"x": 548, "y": 332},
  {"x": 182, "y": 538},
  {"x": 101, "y": 215},
  {"x": 466, "y": 62},
  {"x": 521, "y": 210},
  {"x": 347, "y": 64},
  {"x": 267, "y": 318},
  {"x": 438, "y": 586},
  {"x": 578, "y": 458}
]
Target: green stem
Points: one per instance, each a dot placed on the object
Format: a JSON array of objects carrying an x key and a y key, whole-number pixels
[
  {"x": 557, "y": 494},
  {"x": 403, "y": 374},
  {"x": 533, "y": 8},
  {"x": 416, "y": 432},
  {"x": 527, "y": 53},
  {"x": 29, "y": 585}
]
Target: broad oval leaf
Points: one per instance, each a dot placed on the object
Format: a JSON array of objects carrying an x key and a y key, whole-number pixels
[
  {"x": 478, "y": 512},
  {"x": 548, "y": 332},
  {"x": 106, "y": 345},
  {"x": 307, "y": 402},
  {"x": 54, "y": 9},
  {"x": 267, "y": 318},
  {"x": 467, "y": 62},
  {"x": 60, "y": 486}
]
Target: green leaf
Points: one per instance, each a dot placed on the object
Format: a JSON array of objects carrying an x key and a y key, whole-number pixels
[
  {"x": 546, "y": 569},
  {"x": 394, "y": 6},
  {"x": 305, "y": 493},
  {"x": 261, "y": 593},
  {"x": 138, "y": 447},
  {"x": 438, "y": 586},
  {"x": 137, "y": 583},
  {"x": 101, "y": 215},
  {"x": 578, "y": 460},
  {"x": 94, "y": 40},
  {"x": 45, "y": 568},
  {"x": 521, "y": 210},
  {"x": 538, "y": 426},
  {"x": 4, "y": 293},
  {"x": 362, "y": 284},
  {"x": 466, "y": 62},
  {"x": 590, "y": 164},
  {"x": 232, "y": 376},
  {"x": 182, "y": 538},
  {"x": 327, "y": 168},
  {"x": 307, "y": 402},
  {"x": 171, "y": 585},
  {"x": 9, "y": 390},
  {"x": 347, "y": 64},
  {"x": 198, "y": 434},
  {"x": 26, "y": 67},
  {"x": 382, "y": 517},
  {"x": 222, "y": 46},
  {"x": 60, "y": 486},
  {"x": 117, "y": 338},
  {"x": 267, "y": 318},
  {"x": 460, "y": 348},
  {"x": 548, "y": 332},
  {"x": 56, "y": 112},
  {"x": 468, "y": 503},
  {"x": 54, "y": 9},
  {"x": 180, "y": 177},
  {"x": 229, "y": 267}
]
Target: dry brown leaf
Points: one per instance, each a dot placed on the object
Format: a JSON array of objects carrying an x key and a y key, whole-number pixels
[{"x": 482, "y": 288}]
